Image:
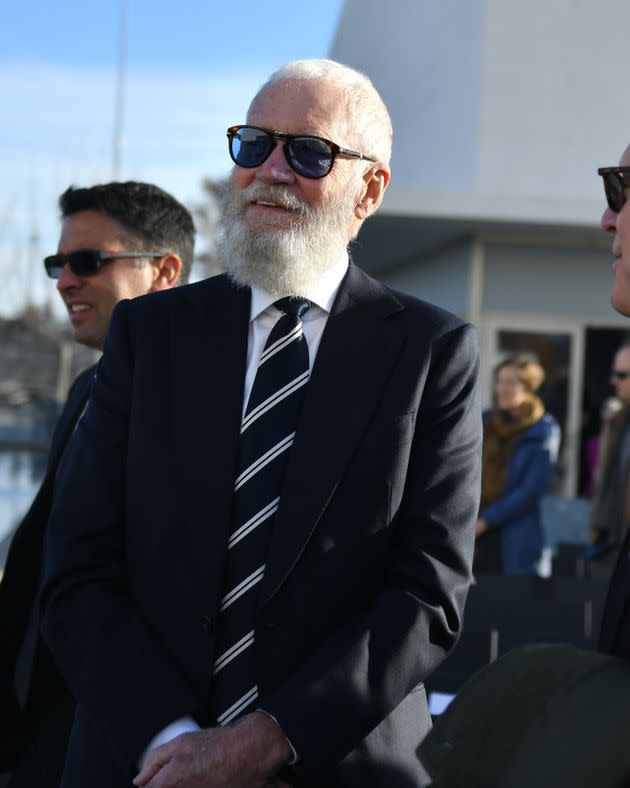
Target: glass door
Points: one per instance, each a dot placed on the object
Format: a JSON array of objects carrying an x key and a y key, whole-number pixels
[{"x": 559, "y": 350}]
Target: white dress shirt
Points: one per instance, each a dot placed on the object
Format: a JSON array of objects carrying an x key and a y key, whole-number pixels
[{"x": 262, "y": 318}]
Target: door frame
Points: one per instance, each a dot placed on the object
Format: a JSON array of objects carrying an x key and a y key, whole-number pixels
[{"x": 491, "y": 325}]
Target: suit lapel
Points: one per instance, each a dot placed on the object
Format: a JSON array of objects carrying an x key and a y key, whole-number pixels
[
  {"x": 69, "y": 416},
  {"x": 63, "y": 432},
  {"x": 354, "y": 361},
  {"x": 209, "y": 351}
]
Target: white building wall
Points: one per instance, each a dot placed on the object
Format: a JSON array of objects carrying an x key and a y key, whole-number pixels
[
  {"x": 559, "y": 281},
  {"x": 421, "y": 54},
  {"x": 553, "y": 73},
  {"x": 442, "y": 279},
  {"x": 502, "y": 109}
]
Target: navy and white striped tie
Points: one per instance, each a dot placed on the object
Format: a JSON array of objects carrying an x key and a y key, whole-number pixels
[{"x": 267, "y": 434}]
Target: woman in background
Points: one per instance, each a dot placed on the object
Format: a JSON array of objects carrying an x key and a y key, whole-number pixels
[{"x": 520, "y": 448}]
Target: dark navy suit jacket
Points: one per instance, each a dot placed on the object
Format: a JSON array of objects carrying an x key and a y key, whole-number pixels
[{"x": 370, "y": 559}]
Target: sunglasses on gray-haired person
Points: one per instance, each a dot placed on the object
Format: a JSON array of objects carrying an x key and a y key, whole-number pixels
[
  {"x": 309, "y": 156},
  {"x": 616, "y": 181}
]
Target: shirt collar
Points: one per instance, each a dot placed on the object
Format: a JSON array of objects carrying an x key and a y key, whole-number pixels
[{"x": 322, "y": 293}]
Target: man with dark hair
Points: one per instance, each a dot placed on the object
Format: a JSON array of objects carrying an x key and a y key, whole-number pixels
[
  {"x": 118, "y": 241},
  {"x": 115, "y": 218},
  {"x": 225, "y": 617}
]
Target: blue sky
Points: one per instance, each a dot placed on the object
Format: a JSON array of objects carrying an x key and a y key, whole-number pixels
[{"x": 192, "y": 67}]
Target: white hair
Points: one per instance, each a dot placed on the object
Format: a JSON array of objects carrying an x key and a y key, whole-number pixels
[
  {"x": 289, "y": 261},
  {"x": 368, "y": 119}
]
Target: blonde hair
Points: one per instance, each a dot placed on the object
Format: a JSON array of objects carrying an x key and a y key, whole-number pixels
[{"x": 529, "y": 372}]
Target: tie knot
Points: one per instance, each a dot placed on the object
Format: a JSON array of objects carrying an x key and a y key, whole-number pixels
[{"x": 293, "y": 306}]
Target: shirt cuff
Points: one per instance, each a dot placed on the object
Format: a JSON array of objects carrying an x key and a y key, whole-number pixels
[
  {"x": 182, "y": 725},
  {"x": 294, "y": 755}
]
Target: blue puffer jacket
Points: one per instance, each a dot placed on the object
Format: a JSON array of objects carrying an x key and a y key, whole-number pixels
[{"x": 517, "y": 512}]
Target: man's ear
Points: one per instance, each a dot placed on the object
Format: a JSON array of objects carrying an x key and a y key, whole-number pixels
[
  {"x": 167, "y": 270},
  {"x": 375, "y": 182}
]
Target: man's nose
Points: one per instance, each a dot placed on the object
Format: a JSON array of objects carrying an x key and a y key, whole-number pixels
[
  {"x": 609, "y": 220},
  {"x": 275, "y": 168},
  {"x": 68, "y": 279}
]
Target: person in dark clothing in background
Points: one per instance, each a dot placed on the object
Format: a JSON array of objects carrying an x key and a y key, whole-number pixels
[{"x": 610, "y": 513}]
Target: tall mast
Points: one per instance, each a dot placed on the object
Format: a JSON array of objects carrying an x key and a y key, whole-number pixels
[
  {"x": 120, "y": 92},
  {"x": 33, "y": 252}
]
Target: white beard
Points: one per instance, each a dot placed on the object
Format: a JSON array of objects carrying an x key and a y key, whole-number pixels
[{"x": 284, "y": 262}]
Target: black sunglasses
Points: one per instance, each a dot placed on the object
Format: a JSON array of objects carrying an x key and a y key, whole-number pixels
[
  {"x": 311, "y": 157},
  {"x": 86, "y": 262},
  {"x": 619, "y": 374},
  {"x": 616, "y": 181}
]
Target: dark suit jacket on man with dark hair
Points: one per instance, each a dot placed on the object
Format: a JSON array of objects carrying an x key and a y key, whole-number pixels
[
  {"x": 35, "y": 727},
  {"x": 38, "y": 725},
  {"x": 370, "y": 559}
]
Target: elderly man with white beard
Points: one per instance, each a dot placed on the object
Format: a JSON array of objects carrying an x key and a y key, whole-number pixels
[{"x": 280, "y": 476}]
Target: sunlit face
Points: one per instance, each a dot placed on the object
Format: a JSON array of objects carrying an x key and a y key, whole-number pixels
[
  {"x": 509, "y": 391},
  {"x": 621, "y": 365},
  {"x": 90, "y": 300},
  {"x": 283, "y": 231},
  {"x": 618, "y": 224},
  {"x": 316, "y": 108}
]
